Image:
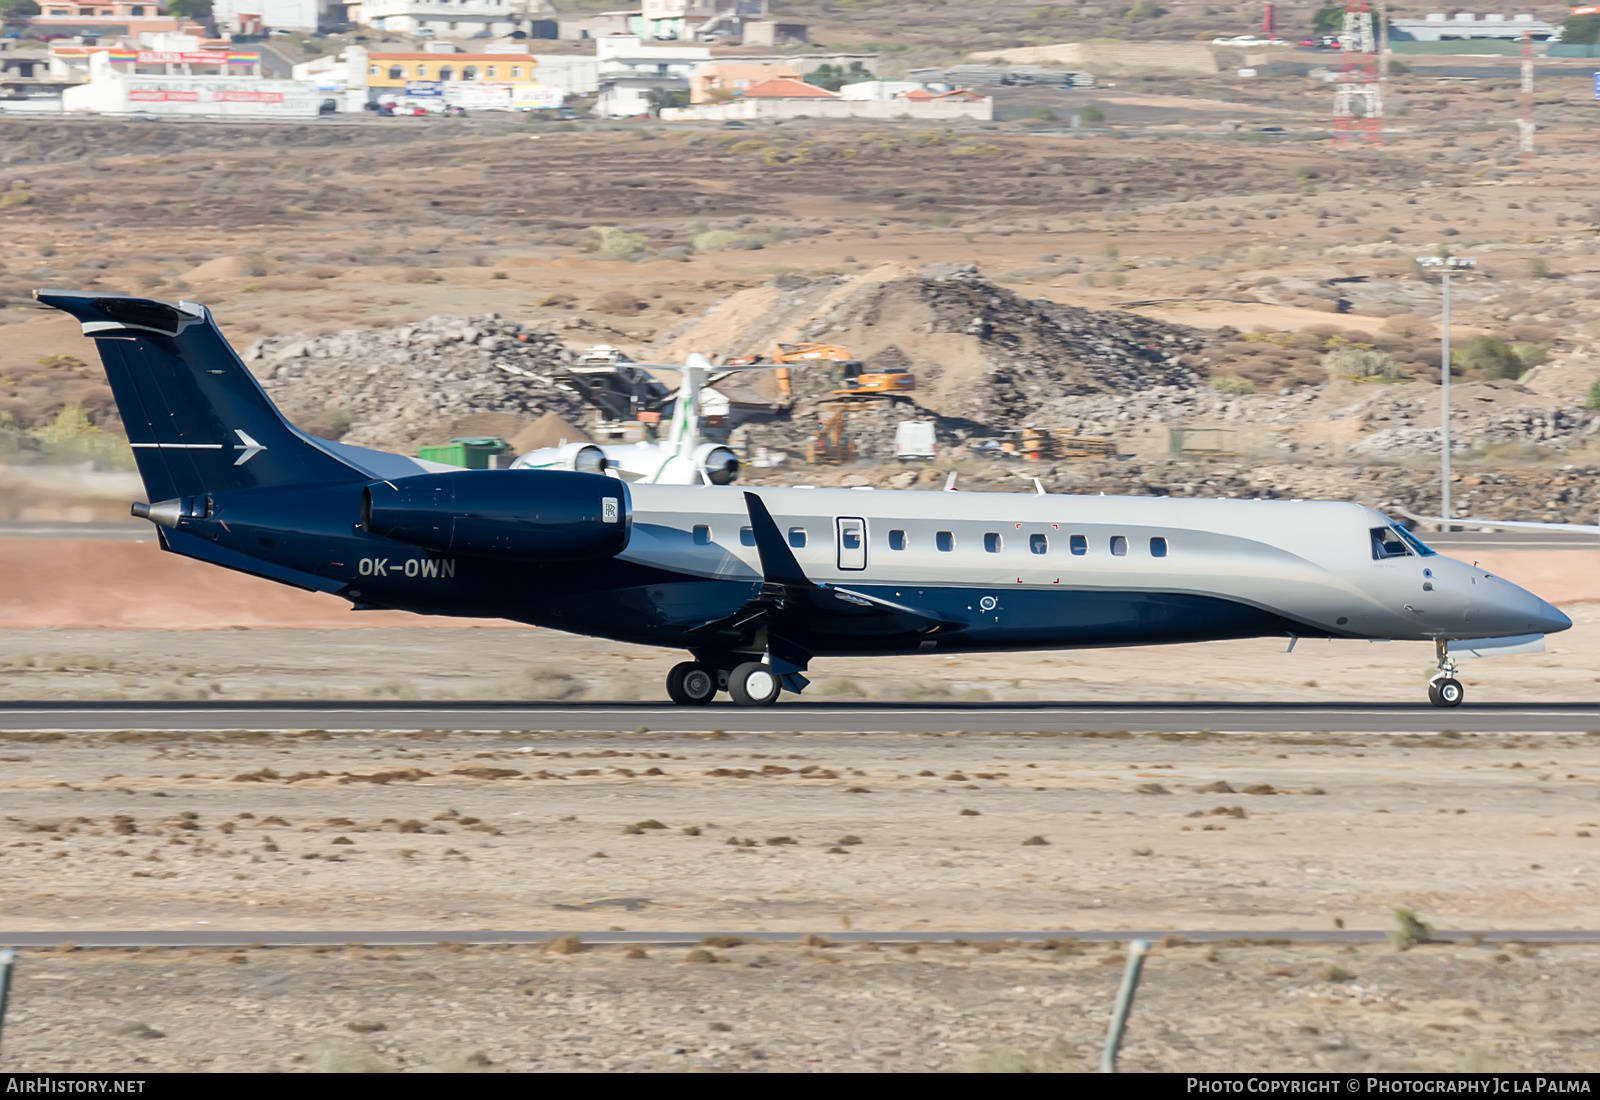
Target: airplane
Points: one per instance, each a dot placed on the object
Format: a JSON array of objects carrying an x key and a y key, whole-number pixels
[
  {"x": 755, "y": 583},
  {"x": 684, "y": 459}
]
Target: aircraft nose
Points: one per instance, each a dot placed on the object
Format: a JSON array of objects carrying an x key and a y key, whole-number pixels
[
  {"x": 1551, "y": 618},
  {"x": 1526, "y": 613}
]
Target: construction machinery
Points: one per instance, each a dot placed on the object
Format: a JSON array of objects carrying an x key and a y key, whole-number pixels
[
  {"x": 851, "y": 377},
  {"x": 830, "y": 445}
]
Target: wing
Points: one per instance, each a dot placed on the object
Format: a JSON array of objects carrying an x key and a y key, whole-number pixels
[{"x": 800, "y": 616}]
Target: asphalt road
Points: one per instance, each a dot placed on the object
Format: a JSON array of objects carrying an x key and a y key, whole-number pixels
[
  {"x": 1347, "y": 717},
  {"x": 429, "y": 938}
]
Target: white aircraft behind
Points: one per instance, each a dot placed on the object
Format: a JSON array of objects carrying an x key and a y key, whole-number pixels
[{"x": 684, "y": 459}]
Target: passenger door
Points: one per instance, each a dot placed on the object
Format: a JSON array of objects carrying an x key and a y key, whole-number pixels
[{"x": 851, "y": 537}]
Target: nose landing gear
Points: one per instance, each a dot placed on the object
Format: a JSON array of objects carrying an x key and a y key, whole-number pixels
[{"x": 1444, "y": 690}]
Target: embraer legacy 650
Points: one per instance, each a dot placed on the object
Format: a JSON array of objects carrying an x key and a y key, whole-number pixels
[{"x": 753, "y": 584}]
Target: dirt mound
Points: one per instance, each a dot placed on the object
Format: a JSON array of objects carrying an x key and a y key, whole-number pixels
[
  {"x": 549, "y": 430},
  {"x": 986, "y": 359},
  {"x": 984, "y": 353},
  {"x": 395, "y": 388}
]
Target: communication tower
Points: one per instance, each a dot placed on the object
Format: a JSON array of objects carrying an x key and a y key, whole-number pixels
[
  {"x": 1525, "y": 124},
  {"x": 1358, "y": 98}
]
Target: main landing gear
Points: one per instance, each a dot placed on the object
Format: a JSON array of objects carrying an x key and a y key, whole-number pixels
[
  {"x": 1444, "y": 690},
  {"x": 752, "y": 684},
  {"x": 692, "y": 684}
]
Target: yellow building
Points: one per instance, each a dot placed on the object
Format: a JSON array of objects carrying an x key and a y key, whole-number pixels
[{"x": 395, "y": 70}]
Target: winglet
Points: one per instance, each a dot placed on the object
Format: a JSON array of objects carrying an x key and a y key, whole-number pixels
[{"x": 778, "y": 564}]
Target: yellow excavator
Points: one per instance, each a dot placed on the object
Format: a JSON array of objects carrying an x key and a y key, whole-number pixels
[{"x": 851, "y": 375}]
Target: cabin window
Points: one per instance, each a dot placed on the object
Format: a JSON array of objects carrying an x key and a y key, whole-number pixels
[
  {"x": 1415, "y": 543},
  {"x": 702, "y": 535},
  {"x": 991, "y": 543},
  {"x": 1039, "y": 544},
  {"x": 1119, "y": 546},
  {"x": 944, "y": 541},
  {"x": 897, "y": 540},
  {"x": 1158, "y": 547},
  {"x": 747, "y": 536},
  {"x": 1080, "y": 545},
  {"x": 797, "y": 537},
  {"x": 1387, "y": 544}
]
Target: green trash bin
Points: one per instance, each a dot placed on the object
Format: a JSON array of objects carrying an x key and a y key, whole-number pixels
[{"x": 469, "y": 452}]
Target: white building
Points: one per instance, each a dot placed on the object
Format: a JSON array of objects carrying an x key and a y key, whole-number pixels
[
  {"x": 629, "y": 71},
  {"x": 234, "y": 16},
  {"x": 572, "y": 75},
  {"x": 180, "y": 83},
  {"x": 456, "y": 18},
  {"x": 1438, "y": 27},
  {"x": 699, "y": 20},
  {"x": 879, "y": 89}
]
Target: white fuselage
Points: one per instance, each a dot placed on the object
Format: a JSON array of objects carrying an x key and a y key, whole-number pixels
[{"x": 1311, "y": 562}]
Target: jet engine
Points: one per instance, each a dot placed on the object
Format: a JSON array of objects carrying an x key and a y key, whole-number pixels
[
  {"x": 583, "y": 458},
  {"x": 545, "y": 516},
  {"x": 720, "y": 464}
]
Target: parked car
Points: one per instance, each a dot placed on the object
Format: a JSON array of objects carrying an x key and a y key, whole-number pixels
[
  {"x": 733, "y": 124},
  {"x": 1248, "y": 41}
]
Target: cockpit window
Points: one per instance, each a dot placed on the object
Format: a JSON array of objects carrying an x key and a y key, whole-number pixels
[
  {"x": 1386, "y": 543},
  {"x": 1415, "y": 543}
]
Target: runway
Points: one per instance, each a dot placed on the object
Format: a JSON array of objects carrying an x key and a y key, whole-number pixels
[
  {"x": 433, "y": 938},
  {"x": 1063, "y": 717}
]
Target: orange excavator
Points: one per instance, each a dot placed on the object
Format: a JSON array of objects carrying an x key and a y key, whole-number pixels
[{"x": 851, "y": 375}]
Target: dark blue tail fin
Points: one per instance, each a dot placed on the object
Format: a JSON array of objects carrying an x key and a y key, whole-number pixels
[{"x": 197, "y": 418}]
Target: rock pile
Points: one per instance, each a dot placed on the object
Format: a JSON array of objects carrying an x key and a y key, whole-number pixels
[
  {"x": 1033, "y": 351},
  {"x": 390, "y": 388},
  {"x": 1551, "y": 428}
]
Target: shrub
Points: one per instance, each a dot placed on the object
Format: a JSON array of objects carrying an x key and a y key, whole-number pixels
[
  {"x": 608, "y": 240},
  {"x": 14, "y": 198},
  {"x": 1487, "y": 356},
  {"x": 1092, "y": 115},
  {"x": 1233, "y": 385},
  {"x": 1358, "y": 363},
  {"x": 1409, "y": 929},
  {"x": 1045, "y": 114},
  {"x": 977, "y": 149},
  {"x": 1580, "y": 30},
  {"x": 718, "y": 240},
  {"x": 1594, "y": 397}
]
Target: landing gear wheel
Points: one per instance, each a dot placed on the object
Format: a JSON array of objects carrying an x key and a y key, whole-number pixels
[
  {"x": 1446, "y": 692},
  {"x": 692, "y": 684},
  {"x": 754, "y": 685}
]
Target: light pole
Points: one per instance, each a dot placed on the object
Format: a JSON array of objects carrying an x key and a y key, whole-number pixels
[{"x": 1445, "y": 264}]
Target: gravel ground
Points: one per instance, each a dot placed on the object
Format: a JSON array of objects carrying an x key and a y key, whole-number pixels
[
  {"x": 817, "y": 1008},
  {"x": 796, "y": 832}
]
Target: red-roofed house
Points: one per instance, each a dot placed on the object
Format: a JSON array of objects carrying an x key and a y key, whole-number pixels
[
  {"x": 958, "y": 95},
  {"x": 787, "y": 88}
]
